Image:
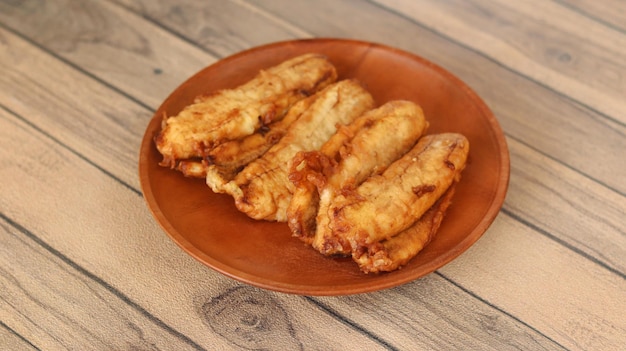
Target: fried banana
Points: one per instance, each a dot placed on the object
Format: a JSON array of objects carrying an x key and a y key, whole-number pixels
[
  {"x": 262, "y": 189},
  {"x": 232, "y": 114},
  {"x": 229, "y": 158},
  {"x": 391, "y": 202},
  {"x": 365, "y": 147},
  {"x": 397, "y": 251}
]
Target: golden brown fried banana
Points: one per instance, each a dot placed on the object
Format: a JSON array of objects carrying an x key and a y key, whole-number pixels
[
  {"x": 372, "y": 150},
  {"x": 390, "y": 254},
  {"x": 228, "y": 159},
  {"x": 365, "y": 147},
  {"x": 309, "y": 172},
  {"x": 232, "y": 114},
  {"x": 387, "y": 204},
  {"x": 262, "y": 189}
]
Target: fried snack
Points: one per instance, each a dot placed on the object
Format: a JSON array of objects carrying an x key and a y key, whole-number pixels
[
  {"x": 229, "y": 158},
  {"x": 232, "y": 114},
  {"x": 365, "y": 147},
  {"x": 391, "y": 254},
  {"x": 386, "y": 204},
  {"x": 262, "y": 189}
]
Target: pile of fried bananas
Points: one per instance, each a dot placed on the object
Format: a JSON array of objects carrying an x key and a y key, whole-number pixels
[{"x": 295, "y": 144}]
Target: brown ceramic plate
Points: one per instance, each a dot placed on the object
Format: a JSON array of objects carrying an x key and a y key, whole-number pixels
[{"x": 263, "y": 254}]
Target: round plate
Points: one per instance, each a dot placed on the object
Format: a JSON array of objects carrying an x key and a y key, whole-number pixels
[{"x": 263, "y": 254}]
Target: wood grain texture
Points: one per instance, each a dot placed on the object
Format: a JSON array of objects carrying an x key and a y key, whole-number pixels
[
  {"x": 83, "y": 263},
  {"x": 113, "y": 45},
  {"x": 611, "y": 13},
  {"x": 568, "y": 207},
  {"x": 531, "y": 38},
  {"x": 10, "y": 340},
  {"x": 580, "y": 304},
  {"x": 57, "y": 306},
  {"x": 222, "y": 27},
  {"x": 456, "y": 320},
  {"x": 84, "y": 114}
]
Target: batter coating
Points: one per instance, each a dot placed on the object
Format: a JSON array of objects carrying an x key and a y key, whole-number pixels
[
  {"x": 262, "y": 189},
  {"x": 231, "y": 114},
  {"x": 387, "y": 204}
]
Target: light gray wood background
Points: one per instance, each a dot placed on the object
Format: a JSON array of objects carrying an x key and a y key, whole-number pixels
[{"x": 83, "y": 265}]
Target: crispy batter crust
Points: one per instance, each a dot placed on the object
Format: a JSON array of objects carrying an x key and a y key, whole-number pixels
[
  {"x": 232, "y": 114},
  {"x": 393, "y": 253},
  {"x": 387, "y": 204},
  {"x": 365, "y": 147},
  {"x": 262, "y": 189},
  {"x": 228, "y": 159}
]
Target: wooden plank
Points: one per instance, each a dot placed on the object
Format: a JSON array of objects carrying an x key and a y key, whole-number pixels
[
  {"x": 533, "y": 113},
  {"x": 56, "y": 306},
  {"x": 114, "y": 45},
  {"x": 222, "y": 27},
  {"x": 557, "y": 47},
  {"x": 9, "y": 340},
  {"x": 431, "y": 314},
  {"x": 115, "y": 239},
  {"x": 567, "y": 206},
  {"x": 71, "y": 107},
  {"x": 611, "y": 13},
  {"x": 573, "y": 45},
  {"x": 581, "y": 304}
]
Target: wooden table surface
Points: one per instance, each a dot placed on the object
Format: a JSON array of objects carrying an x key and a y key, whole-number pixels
[{"x": 84, "y": 265}]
